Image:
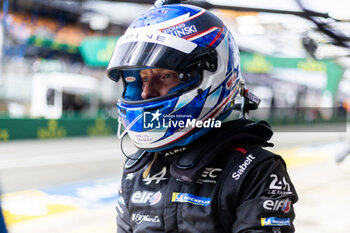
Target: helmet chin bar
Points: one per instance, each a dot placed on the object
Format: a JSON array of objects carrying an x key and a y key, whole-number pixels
[
  {"x": 249, "y": 102},
  {"x": 121, "y": 134}
]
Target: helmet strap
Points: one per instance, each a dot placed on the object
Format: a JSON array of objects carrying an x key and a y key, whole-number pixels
[
  {"x": 121, "y": 148},
  {"x": 123, "y": 134}
]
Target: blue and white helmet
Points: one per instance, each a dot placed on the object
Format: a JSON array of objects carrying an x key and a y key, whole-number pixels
[{"x": 197, "y": 45}]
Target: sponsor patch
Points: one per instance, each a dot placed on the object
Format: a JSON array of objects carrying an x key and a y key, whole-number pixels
[
  {"x": 139, "y": 218},
  {"x": 278, "y": 205},
  {"x": 231, "y": 80},
  {"x": 155, "y": 198},
  {"x": 190, "y": 198},
  {"x": 237, "y": 174},
  {"x": 211, "y": 172},
  {"x": 158, "y": 177},
  {"x": 146, "y": 197},
  {"x": 279, "y": 185},
  {"x": 272, "y": 221},
  {"x": 130, "y": 79},
  {"x": 209, "y": 175},
  {"x": 175, "y": 151}
]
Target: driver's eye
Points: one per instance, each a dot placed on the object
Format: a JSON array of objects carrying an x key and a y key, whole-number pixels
[{"x": 167, "y": 75}]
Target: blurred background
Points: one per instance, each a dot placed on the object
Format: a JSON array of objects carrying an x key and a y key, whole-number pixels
[{"x": 60, "y": 159}]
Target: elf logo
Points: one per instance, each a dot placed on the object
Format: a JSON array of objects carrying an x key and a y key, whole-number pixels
[
  {"x": 278, "y": 205},
  {"x": 146, "y": 197}
]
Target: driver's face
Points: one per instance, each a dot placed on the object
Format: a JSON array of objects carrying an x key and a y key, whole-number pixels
[{"x": 157, "y": 82}]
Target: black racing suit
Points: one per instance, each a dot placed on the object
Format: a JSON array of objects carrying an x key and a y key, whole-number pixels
[{"x": 243, "y": 188}]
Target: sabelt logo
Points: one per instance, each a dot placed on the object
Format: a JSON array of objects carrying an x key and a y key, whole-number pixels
[
  {"x": 249, "y": 159},
  {"x": 278, "y": 205}
]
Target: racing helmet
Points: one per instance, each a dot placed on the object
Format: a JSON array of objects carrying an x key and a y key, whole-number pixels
[{"x": 196, "y": 45}]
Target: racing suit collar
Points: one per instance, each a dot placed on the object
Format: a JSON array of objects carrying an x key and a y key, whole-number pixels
[{"x": 232, "y": 134}]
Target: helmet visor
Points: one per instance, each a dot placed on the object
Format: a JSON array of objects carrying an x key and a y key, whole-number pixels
[{"x": 157, "y": 50}]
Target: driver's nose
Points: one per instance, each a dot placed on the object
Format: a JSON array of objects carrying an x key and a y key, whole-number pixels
[{"x": 150, "y": 88}]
